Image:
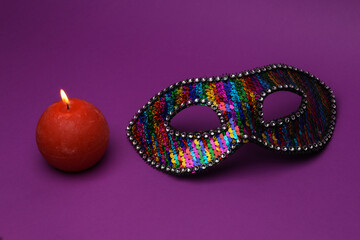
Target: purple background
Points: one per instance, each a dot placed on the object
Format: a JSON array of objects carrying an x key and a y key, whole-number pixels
[{"x": 118, "y": 54}]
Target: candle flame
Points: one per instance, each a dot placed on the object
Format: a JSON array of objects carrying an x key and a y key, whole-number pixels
[{"x": 64, "y": 97}]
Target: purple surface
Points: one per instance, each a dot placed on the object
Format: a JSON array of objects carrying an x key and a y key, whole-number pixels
[{"x": 118, "y": 54}]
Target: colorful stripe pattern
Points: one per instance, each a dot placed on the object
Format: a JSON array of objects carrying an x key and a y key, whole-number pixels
[{"x": 238, "y": 101}]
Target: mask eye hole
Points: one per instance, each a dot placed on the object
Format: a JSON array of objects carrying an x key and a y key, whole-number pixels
[
  {"x": 280, "y": 104},
  {"x": 195, "y": 118}
]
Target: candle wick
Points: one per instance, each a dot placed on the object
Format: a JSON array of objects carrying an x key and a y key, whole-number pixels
[{"x": 67, "y": 106}]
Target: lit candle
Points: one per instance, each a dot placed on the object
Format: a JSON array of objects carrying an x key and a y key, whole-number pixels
[{"x": 72, "y": 134}]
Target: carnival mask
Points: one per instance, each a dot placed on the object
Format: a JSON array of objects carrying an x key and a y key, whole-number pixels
[{"x": 238, "y": 102}]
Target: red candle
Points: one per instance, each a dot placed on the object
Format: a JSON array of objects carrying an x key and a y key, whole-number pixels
[{"x": 72, "y": 134}]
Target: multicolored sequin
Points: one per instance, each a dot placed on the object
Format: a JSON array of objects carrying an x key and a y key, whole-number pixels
[{"x": 237, "y": 99}]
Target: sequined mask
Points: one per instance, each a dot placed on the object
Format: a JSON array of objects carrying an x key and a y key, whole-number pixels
[{"x": 238, "y": 101}]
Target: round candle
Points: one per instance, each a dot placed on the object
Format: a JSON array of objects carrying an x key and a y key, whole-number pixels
[{"x": 72, "y": 134}]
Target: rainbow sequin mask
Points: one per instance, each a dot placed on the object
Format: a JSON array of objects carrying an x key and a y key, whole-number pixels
[{"x": 237, "y": 100}]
